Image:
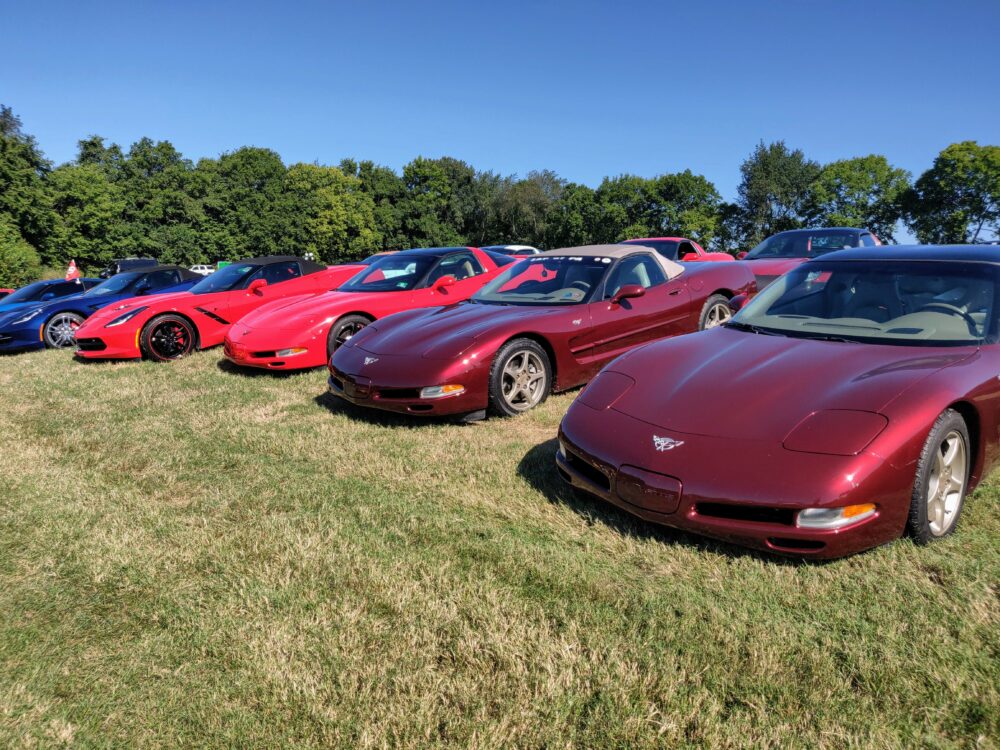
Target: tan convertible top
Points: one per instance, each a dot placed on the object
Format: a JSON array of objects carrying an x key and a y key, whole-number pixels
[{"x": 670, "y": 268}]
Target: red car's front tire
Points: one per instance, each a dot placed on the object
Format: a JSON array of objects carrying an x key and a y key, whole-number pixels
[{"x": 167, "y": 337}]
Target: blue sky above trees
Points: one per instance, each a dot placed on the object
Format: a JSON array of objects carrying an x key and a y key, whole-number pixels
[{"x": 585, "y": 89}]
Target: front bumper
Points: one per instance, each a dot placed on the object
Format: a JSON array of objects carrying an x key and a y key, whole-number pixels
[
  {"x": 735, "y": 491},
  {"x": 98, "y": 342},
  {"x": 22, "y": 339},
  {"x": 250, "y": 348},
  {"x": 393, "y": 383}
]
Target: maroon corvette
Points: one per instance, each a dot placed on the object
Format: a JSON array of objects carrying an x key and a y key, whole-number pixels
[
  {"x": 548, "y": 323},
  {"x": 855, "y": 399}
]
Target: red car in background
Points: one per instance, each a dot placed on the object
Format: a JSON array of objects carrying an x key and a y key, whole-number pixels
[
  {"x": 679, "y": 249},
  {"x": 5, "y": 292},
  {"x": 853, "y": 400},
  {"x": 783, "y": 251},
  {"x": 170, "y": 326},
  {"x": 546, "y": 324},
  {"x": 302, "y": 333}
]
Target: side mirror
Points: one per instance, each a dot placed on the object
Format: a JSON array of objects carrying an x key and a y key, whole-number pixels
[
  {"x": 143, "y": 288},
  {"x": 257, "y": 287},
  {"x": 627, "y": 292},
  {"x": 443, "y": 282},
  {"x": 738, "y": 302},
  {"x": 741, "y": 256},
  {"x": 47, "y": 296},
  {"x": 689, "y": 255}
]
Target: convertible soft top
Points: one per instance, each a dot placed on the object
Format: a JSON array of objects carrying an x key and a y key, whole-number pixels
[{"x": 670, "y": 268}]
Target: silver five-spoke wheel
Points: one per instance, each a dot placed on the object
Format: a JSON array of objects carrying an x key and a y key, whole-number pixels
[
  {"x": 946, "y": 483},
  {"x": 524, "y": 381}
]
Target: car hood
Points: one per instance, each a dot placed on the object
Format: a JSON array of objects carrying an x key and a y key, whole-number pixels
[
  {"x": 435, "y": 331},
  {"x": 10, "y": 315},
  {"x": 735, "y": 384},
  {"x": 297, "y": 312}
]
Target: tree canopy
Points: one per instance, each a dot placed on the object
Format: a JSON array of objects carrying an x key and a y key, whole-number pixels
[{"x": 149, "y": 199}]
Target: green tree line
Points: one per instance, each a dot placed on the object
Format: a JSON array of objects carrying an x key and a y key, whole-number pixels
[{"x": 150, "y": 200}]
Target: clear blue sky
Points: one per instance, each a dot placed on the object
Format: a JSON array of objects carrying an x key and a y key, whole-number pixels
[{"x": 587, "y": 89}]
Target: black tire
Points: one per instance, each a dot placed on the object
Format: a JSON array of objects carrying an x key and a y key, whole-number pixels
[
  {"x": 168, "y": 337},
  {"x": 342, "y": 330},
  {"x": 714, "y": 312},
  {"x": 940, "y": 486},
  {"x": 508, "y": 396},
  {"x": 60, "y": 328}
]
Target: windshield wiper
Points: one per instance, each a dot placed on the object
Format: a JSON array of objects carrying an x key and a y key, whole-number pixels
[
  {"x": 828, "y": 337},
  {"x": 749, "y": 327}
]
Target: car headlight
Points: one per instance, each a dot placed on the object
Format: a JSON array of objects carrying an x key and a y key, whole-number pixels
[
  {"x": 440, "y": 391},
  {"x": 126, "y": 317},
  {"x": 835, "y": 432},
  {"x": 26, "y": 317},
  {"x": 834, "y": 518}
]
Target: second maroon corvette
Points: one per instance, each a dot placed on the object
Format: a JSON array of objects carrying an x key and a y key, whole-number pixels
[
  {"x": 546, "y": 324},
  {"x": 854, "y": 399}
]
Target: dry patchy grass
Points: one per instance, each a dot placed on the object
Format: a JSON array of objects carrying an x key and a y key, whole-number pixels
[{"x": 193, "y": 556}]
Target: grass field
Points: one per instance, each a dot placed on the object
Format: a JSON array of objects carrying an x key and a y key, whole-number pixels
[{"x": 194, "y": 557}]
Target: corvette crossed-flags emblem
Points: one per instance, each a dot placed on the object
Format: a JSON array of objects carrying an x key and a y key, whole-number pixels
[{"x": 666, "y": 443}]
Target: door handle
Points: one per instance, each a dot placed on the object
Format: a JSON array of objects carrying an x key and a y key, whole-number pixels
[{"x": 675, "y": 292}]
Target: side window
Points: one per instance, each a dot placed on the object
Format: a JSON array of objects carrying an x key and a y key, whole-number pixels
[
  {"x": 462, "y": 265},
  {"x": 162, "y": 279},
  {"x": 635, "y": 269},
  {"x": 61, "y": 290},
  {"x": 685, "y": 248},
  {"x": 867, "y": 240},
  {"x": 275, "y": 273}
]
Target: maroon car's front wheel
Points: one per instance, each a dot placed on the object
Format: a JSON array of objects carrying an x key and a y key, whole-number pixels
[
  {"x": 166, "y": 338},
  {"x": 942, "y": 479},
  {"x": 520, "y": 378},
  {"x": 714, "y": 312}
]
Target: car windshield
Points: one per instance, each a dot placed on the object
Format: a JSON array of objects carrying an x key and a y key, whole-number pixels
[
  {"x": 902, "y": 302},
  {"x": 666, "y": 248},
  {"x": 391, "y": 273},
  {"x": 803, "y": 244},
  {"x": 115, "y": 285},
  {"x": 226, "y": 278},
  {"x": 546, "y": 280},
  {"x": 29, "y": 293}
]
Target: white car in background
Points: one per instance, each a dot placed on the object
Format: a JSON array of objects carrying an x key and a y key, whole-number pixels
[
  {"x": 512, "y": 249},
  {"x": 203, "y": 269}
]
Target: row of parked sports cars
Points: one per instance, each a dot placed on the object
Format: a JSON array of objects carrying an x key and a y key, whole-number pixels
[{"x": 854, "y": 399}]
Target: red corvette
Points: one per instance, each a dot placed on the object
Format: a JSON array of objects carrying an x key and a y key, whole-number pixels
[
  {"x": 854, "y": 399},
  {"x": 302, "y": 333},
  {"x": 783, "y": 251},
  {"x": 546, "y": 324},
  {"x": 170, "y": 326},
  {"x": 5, "y": 292},
  {"x": 679, "y": 249}
]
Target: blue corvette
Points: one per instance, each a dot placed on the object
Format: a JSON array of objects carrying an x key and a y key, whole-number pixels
[
  {"x": 44, "y": 291},
  {"x": 50, "y": 322}
]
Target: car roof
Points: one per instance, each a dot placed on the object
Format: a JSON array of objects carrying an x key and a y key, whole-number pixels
[
  {"x": 815, "y": 230},
  {"x": 640, "y": 240},
  {"x": 432, "y": 251},
  {"x": 308, "y": 266},
  {"x": 973, "y": 253}
]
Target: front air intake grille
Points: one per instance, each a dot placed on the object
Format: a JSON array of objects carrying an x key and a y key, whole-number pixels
[
  {"x": 589, "y": 472},
  {"x": 91, "y": 345},
  {"x": 752, "y": 513}
]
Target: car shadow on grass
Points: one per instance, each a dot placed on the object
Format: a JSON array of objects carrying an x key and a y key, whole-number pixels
[
  {"x": 258, "y": 372},
  {"x": 538, "y": 469},
  {"x": 338, "y": 406}
]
